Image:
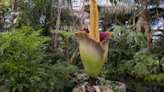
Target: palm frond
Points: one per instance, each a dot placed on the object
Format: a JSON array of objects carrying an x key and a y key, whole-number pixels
[{"x": 117, "y": 10}]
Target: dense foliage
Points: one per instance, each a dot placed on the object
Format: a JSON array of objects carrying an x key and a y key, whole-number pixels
[{"x": 24, "y": 65}]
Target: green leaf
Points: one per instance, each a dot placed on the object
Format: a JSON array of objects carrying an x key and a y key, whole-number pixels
[
  {"x": 141, "y": 69},
  {"x": 25, "y": 85},
  {"x": 7, "y": 1},
  {"x": 115, "y": 2},
  {"x": 150, "y": 77},
  {"x": 2, "y": 89},
  {"x": 4, "y": 46},
  {"x": 129, "y": 37},
  {"x": 111, "y": 1},
  {"x": 37, "y": 78},
  {"x": 127, "y": 31},
  {"x": 160, "y": 77},
  {"x": 15, "y": 88},
  {"x": 137, "y": 36},
  {"x": 137, "y": 40},
  {"x": 150, "y": 60},
  {"x": 129, "y": 65},
  {"x": 64, "y": 33},
  {"x": 20, "y": 87},
  {"x": 117, "y": 30},
  {"x": 140, "y": 34}
]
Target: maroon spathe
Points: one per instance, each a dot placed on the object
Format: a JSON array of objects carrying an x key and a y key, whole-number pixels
[{"x": 103, "y": 35}]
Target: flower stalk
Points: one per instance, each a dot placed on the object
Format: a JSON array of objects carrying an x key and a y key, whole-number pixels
[
  {"x": 94, "y": 21},
  {"x": 118, "y": 61}
]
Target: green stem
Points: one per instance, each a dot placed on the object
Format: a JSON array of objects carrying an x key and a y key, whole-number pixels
[
  {"x": 118, "y": 61},
  {"x": 92, "y": 81},
  {"x": 67, "y": 51}
]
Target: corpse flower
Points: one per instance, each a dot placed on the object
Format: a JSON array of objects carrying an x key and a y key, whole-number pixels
[{"x": 93, "y": 45}]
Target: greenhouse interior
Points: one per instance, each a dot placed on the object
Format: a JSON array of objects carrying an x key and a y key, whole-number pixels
[{"x": 81, "y": 45}]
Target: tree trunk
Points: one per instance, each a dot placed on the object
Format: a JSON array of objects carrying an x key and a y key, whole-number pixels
[
  {"x": 14, "y": 6},
  {"x": 104, "y": 26},
  {"x": 80, "y": 5},
  {"x": 106, "y": 3},
  {"x": 73, "y": 15},
  {"x": 144, "y": 16},
  {"x": 82, "y": 14},
  {"x": 115, "y": 19},
  {"x": 14, "y": 9},
  {"x": 48, "y": 17},
  {"x": 57, "y": 24}
]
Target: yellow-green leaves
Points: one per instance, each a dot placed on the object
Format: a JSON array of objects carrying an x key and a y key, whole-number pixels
[{"x": 64, "y": 33}]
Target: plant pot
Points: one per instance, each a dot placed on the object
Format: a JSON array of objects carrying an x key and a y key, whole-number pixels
[
  {"x": 101, "y": 89},
  {"x": 120, "y": 87}
]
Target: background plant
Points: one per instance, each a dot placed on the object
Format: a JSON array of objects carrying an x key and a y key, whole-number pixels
[
  {"x": 22, "y": 46},
  {"x": 131, "y": 41},
  {"x": 25, "y": 66},
  {"x": 68, "y": 45},
  {"x": 43, "y": 14}
]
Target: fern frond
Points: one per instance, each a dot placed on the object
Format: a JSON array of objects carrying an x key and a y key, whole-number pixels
[
  {"x": 141, "y": 69},
  {"x": 129, "y": 65},
  {"x": 160, "y": 77},
  {"x": 150, "y": 77}
]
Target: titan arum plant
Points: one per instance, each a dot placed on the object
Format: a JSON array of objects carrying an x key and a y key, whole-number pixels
[{"x": 93, "y": 45}]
